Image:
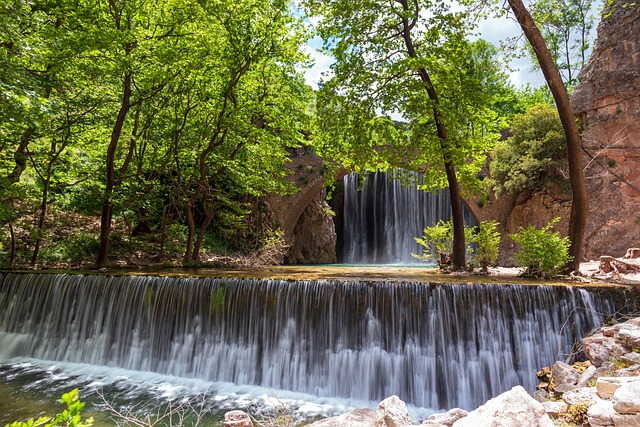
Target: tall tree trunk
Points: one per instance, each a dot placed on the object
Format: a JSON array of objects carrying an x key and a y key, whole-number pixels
[
  {"x": 458, "y": 254},
  {"x": 580, "y": 202},
  {"x": 107, "y": 204}
]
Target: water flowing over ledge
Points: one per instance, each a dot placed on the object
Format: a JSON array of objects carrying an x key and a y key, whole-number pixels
[{"x": 435, "y": 345}]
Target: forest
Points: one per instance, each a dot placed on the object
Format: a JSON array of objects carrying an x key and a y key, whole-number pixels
[{"x": 153, "y": 129}]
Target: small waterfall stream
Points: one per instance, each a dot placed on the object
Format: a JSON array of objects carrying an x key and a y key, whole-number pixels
[
  {"x": 434, "y": 345},
  {"x": 381, "y": 219}
]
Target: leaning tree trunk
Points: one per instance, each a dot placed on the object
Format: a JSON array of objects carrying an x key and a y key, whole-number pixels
[
  {"x": 580, "y": 202},
  {"x": 458, "y": 253}
]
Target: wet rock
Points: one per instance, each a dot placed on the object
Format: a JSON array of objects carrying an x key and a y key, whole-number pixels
[
  {"x": 237, "y": 419},
  {"x": 586, "y": 376},
  {"x": 392, "y": 412},
  {"x": 445, "y": 419},
  {"x": 601, "y": 414},
  {"x": 563, "y": 373},
  {"x": 512, "y": 408},
  {"x": 626, "y": 399},
  {"x": 362, "y": 417},
  {"x": 607, "y": 386}
]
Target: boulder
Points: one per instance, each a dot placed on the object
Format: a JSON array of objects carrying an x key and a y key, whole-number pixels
[
  {"x": 445, "y": 419},
  {"x": 586, "y": 376},
  {"x": 632, "y": 358},
  {"x": 601, "y": 414},
  {"x": 554, "y": 408},
  {"x": 628, "y": 335},
  {"x": 237, "y": 419},
  {"x": 587, "y": 395},
  {"x": 626, "y": 420},
  {"x": 563, "y": 373},
  {"x": 392, "y": 412},
  {"x": 514, "y": 408},
  {"x": 362, "y": 417},
  {"x": 599, "y": 349},
  {"x": 626, "y": 399},
  {"x": 607, "y": 386}
]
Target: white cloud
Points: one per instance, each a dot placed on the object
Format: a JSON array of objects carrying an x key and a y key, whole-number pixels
[{"x": 320, "y": 69}]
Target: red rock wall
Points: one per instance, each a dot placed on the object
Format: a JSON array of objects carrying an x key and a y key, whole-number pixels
[{"x": 607, "y": 102}]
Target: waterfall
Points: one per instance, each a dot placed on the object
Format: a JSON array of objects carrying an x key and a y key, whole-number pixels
[
  {"x": 434, "y": 345},
  {"x": 381, "y": 219}
]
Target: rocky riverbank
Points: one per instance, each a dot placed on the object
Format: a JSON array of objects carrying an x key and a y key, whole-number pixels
[{"x": 604, "y": 391}]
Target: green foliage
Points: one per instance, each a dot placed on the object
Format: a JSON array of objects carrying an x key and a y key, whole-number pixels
[
  {"x": 574, "y": 415},
  {"x": 533, "y": 156},
  {"x": 482, "y": 243},
  {"x": 542, "y": 252},
  {"x": 565, "y": 26},
  {"x": 488, "y": 242},
  {"x": 70, "y": 417},
  {"x": 75, "y": 248}
]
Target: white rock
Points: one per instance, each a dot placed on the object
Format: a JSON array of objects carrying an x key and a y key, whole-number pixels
[
  {"x": 586, "y": 376},
  {"x": 554, "y": 407},
  {"x": 600, "y": 413},
  {"x": 626, "y": 420},
  {"x": 585, "y": 395},
  {"x": 362, "y": 417},
  {"x": 633, "y": 358},
  {"x": 628, "y": 335},
  {"x": 608, "y": 385},
  {"x": 446, "y": 418},
  {"x": 514, "y": 408},
  {"x": 237, "y": 419},
  {"x": 392, "y": 412},
  {"x": 626, "y": 399}
]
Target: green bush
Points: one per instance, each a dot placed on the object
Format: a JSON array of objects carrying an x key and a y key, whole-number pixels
[
  {"x": 488, "y": 242},
  {"x": 70, "y": 417},
  {"x": 542, "y": 252},
  {"x": 533, "y": 156},
  {"x": 481, "y": 243}
]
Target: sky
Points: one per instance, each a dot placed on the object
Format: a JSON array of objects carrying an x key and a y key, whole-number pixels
[{"x": 494, "y": 30}]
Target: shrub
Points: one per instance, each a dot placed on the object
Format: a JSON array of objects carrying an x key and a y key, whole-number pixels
[
  {"x": 542, "y": 252},
  {"x": 533, "y": 156},
  {"x": 481, "y": 243},
  {"x": 488, "y": 242},
  {"x": 70, "y": 417}
]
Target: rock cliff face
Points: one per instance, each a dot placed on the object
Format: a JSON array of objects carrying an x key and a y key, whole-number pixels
[
  {"x": 607, "y": 102},
  {"x": 314, "y": 236}
]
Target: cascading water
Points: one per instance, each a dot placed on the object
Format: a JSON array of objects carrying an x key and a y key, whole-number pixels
[
  {"x": 381, "y": 219},
  {"x": 434, "y": 345}
]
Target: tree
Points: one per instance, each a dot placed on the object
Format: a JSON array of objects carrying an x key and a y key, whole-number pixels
[
  {"x": 580, "y": 203},
  {"x": 565, "y": 26},
  {"x": 532, "y": 156},
  {"x": 410, "y": 57}
]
